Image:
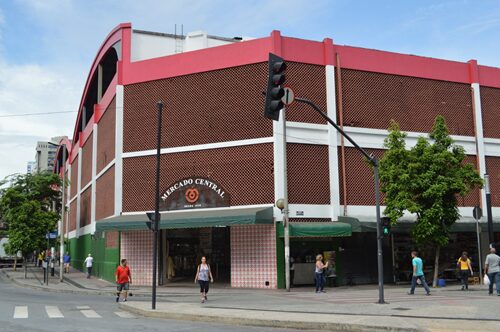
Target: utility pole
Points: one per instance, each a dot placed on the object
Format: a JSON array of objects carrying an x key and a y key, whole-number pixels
[
  {"x": 61, "y": 223},
  {"x": 156, "y": 224},
  {"x": 491, "y": 236}
]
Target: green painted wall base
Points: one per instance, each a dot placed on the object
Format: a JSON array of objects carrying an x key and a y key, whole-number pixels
[
  {"x": 105, "y": 259},
  {"x": 280, "y": 257}
]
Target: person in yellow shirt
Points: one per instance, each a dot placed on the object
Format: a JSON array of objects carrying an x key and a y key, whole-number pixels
[{"x": 464, "y": 266}]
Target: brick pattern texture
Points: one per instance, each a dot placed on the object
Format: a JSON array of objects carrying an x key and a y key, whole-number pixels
[
  {"x": 490, "y": 105},
  {"x": 106, "y": 137},
  {"x": 87, "y": 161},
  {"x": 72, "y": 216},
  {"x": 493, "y": 169},
  {"x": 308, "y": 174},
  {"x": 246, "y": 173},
  {"x": 105, "y": 195},
  {"x": 371, "y": 100},
  {"x": 85, "y": 207},
  {"x": 253, "y": 256},
  {"x": 74, "y": 178}
]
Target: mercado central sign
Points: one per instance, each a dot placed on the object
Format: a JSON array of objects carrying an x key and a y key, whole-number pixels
[{"x": 193, "y": 193}]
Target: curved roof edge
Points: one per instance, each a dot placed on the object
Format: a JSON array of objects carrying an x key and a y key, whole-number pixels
[
  {"x": 112, "y": 38},
  {"x": 69, "y": 146}
]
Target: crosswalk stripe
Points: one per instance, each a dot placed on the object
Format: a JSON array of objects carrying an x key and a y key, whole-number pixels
[
  {"x": 83, "y": 307},
  {"x": 124, "y": 314},
  {"x": 90, "y": 314},
  {"x": 53, "y": 312},
  {"x": 20, "y": 312}
]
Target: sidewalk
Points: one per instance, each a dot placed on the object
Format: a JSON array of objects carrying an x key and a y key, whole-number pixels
[{"x": 341, "y": 309}]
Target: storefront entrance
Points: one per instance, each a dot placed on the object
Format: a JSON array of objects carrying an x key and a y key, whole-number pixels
[{"x": 183, "y": 249}]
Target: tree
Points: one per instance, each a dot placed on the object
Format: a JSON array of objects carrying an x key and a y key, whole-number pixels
[
  {"x": 426, "y": 181},
  {"x": 26, "y": 207}
]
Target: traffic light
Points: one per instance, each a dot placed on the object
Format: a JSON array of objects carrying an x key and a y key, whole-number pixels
[
  {"x": 275, "y": 91},
  {"x": 386, "y": 226}
]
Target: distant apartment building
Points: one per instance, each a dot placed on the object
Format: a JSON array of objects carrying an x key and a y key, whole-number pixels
[
  {"x": 45, "y": 155},
  {"x": 31, "y": 167}
]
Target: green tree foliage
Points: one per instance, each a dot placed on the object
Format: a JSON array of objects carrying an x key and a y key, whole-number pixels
[
  {"x": 26, "y": 207},
  {"x": 426, "y": 180}
]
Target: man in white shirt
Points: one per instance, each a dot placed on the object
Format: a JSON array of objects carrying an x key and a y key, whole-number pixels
[
  {"x": 88, "y": 263},
  {"x": 492, "y": 269}
]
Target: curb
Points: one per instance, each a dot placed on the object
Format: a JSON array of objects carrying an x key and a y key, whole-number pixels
[{"x": 275, "y": 323}]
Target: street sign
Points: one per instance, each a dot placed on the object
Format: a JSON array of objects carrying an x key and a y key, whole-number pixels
[
  {"x": 51, "y": 235},
  {"x": 288, "y": 97},
  {"x": 477, "y": 213}
]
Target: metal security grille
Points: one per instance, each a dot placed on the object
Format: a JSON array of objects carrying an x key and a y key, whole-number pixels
[
  {"x": 85, "y": 207},
  {"x": 74, "y": 177},
  {"x": 371, "y": 100},
  {"x": 490, "y": 105},
  {"x": 106, "y": 137},
  {"x": 112, "y": 239},
  {"x": 87, "y": 161},
  {"x": 216, "y": 106},
  {"x": 292, "y": 219},
  {"x": 246, "y": 173},
  {"x": 105, "y": 195},
  {"x": 306, "y": 81},
  {"x": 308, "y": 174},
  {"x": 493, "y": 169}
]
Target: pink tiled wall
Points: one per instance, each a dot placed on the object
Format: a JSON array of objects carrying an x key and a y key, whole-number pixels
[
  {"x": 253, "y": 256},
  {"x": 136, "y": 247}
]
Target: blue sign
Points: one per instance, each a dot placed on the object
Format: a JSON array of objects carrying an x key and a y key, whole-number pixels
[{"x": 51, "y": 235}]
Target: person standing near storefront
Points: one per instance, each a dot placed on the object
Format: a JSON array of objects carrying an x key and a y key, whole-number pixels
[
  {"x": 89, "y": 261},
  {"x": 66, "y": 261},
  {"x": 203, "y": 275},
  {"x": 492, "y": 270},
  {"x": 418, "y": 273},
  {"x": 123, "y": 279},
  {"x": 463, "y": 264},
  {"x": 319, "y": 274}
]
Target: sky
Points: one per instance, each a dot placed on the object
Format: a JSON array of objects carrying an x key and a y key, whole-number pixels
[{"x": 47, "y": 46}]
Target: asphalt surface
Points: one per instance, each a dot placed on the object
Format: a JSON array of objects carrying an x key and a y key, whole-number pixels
[{"x": 23, "y": 309}]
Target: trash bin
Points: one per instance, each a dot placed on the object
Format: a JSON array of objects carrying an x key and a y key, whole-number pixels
[{"x": 441, "y": 283}]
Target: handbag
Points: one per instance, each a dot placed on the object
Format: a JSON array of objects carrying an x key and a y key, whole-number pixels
[{"x": 486, "y": 280}]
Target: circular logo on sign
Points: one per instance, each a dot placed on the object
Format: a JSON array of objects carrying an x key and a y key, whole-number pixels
[{"x": 192, "y": 195}]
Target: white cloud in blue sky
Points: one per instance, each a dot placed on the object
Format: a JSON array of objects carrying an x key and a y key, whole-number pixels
[{"x": 47, "y": 46}]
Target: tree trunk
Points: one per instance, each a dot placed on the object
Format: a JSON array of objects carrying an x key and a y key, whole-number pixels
[
  {"x": 15, "y": 263},
  {"x": 25, "y": 263},
  {"x": 436, "y": 267}
]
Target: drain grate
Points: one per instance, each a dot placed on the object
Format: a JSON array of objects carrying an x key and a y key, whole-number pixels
[{"x": 401, "y": 309}]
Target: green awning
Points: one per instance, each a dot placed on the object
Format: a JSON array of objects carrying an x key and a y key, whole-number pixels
[
  {"x": 216, "y": 217},
  {"x": 316, "y": 229}
]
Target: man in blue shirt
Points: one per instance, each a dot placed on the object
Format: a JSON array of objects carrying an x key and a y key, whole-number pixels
[
  {"x": 66, "y": 261},
  {"x": 418, "y": 273}
]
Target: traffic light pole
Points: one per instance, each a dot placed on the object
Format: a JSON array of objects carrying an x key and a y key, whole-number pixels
[
  {"x": 156, "y": 223},
  {"x": 373, "y": 160},
  {"x": 286, "y": 226}
]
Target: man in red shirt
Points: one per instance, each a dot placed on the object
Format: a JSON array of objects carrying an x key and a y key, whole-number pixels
[{"x": 123, "y": 279}]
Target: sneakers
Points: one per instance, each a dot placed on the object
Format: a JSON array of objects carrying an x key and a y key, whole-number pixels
[
  {"x": 203, "y": 301},
  {"x": 323, "y": 291},
  {"x": 428, "y": 294},
  {"x": 410, "y": 293}
]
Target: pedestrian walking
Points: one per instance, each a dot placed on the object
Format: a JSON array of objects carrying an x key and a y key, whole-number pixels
[
  {"x": 66, "y": 261},
  {"x": 319, "y": 275},
  {"x": 418, "y": 274},
  {"x": 41, "y": 258},
  {"x": 492, "y": 270},
  {"x": 89, "y": 261},
  {"x": 123, "y": 280},
  {"x": 203, "y": 275},
  {"x": 463, "y": 263}
]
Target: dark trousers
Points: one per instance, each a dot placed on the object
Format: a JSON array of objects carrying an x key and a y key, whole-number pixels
[
  {"x": 414, "y": 284},
  {"x": 89, "y": 271},
  {"x": 464, "y": 276},
  {"x": 494, "y": 278},
  {"x": 320, "y": 281},
  {"x": 204, "y": 286}
]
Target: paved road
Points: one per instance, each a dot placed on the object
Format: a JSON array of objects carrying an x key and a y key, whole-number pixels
[{"x": 23, "y": 309}]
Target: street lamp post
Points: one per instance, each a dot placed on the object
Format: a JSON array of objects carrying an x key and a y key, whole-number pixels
[
  {"x": 61, "y": 228},
  {"x": 491, "y": 236}
]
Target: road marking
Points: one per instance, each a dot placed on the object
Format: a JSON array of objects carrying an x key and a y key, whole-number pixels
[
  {"x": 90, "y": 314},
  {"x": 83, "y": 307},
  {"x": 53, "y": 312},
  {"x": 21, "y": 312},
  {"x": 124, "y": 314}
]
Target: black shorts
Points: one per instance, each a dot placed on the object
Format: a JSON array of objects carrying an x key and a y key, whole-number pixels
[
  {"x": 203, "y": 286},
  {"x": 123, "y": 286}
]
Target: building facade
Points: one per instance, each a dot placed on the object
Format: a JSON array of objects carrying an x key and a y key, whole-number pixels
[
  {"x": 45, "y": 155},
  {"x": 223, "y": 163}
]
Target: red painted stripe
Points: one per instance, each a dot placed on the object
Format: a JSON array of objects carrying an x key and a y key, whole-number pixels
[
  {"x": 489, "y": 76},
  {"x": 85, "y": 134},
  {"x": 214, "y": 58}
]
